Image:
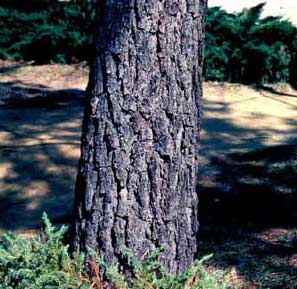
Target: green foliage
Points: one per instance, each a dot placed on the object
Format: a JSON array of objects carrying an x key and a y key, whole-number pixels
[
  {"x": 240, "y": 47},
  {"x": 44, "y": 262},
  {"x": 56, "y": 32},
  {"x": 244, "y": 47},
  {"x": 150, "y": 274}
]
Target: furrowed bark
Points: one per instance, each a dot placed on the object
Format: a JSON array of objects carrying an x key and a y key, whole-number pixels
[{"x": 136, "y": 183}]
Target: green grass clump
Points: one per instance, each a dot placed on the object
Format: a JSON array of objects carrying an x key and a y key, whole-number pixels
[{"x": 44, "y": 262}]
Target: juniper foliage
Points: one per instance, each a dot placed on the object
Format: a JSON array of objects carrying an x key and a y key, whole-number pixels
[
  {"x": 44, "y": 262},
  {"x": 52, "y": 31},
  {"x": 246, "y": 47}
]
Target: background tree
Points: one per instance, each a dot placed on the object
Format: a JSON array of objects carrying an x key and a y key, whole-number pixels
[{"x": 136, "y": 183}]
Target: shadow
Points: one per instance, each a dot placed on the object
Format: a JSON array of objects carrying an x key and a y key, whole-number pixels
[
  {"x": 248, "y": 191},
  {"x": 243, "y": 178},
  {"x": 40, "y": 138},
  {"x": 38, "y": 96},
  {"x": 257, "y": 257},
  {"x": 10, "y": 68},
  {"x": 254, "y": 188},
  {"x": 278, "y": 100},
  {"x": 274, "y": 91}
]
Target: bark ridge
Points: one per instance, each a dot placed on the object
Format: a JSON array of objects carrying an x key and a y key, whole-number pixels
[{"x": 136, "y": 183}]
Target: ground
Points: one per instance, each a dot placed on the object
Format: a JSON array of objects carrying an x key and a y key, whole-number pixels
[{"x": 248, "y": 166}]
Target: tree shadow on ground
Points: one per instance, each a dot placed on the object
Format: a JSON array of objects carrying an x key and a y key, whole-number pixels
[
  {"x": 248, "y": 197},
  {"x": 39, "y": 132},
  {"x": 278, "y": 99},
  {"x": 275, "y": 91},
  {"x": 10, "y": 68},
  {"x": 248, "y": 216},
  {"x": 257, "y": 187},
  {"x": 261, "y": 258}
]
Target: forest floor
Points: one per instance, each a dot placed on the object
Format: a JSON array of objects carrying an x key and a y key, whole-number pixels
[{"x": 248, "y": 166}]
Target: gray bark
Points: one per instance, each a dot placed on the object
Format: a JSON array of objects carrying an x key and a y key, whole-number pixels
[{"x": 136, "y": 183}]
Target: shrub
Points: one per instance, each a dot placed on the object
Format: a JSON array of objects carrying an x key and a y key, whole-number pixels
[
  {"x": 244, "y": 47},
  {"x": 240, "y": 47},
  {"x": 44, "y": 262},
  {"x": 54, "y": 32}
]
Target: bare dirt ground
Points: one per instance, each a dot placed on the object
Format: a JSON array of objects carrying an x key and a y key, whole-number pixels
[
  {"x": 248, "y": 166},
  {"x": 248, "y": 183},
  {"x": 239, "y": 119},
  {"x": 41, "y": 112}
]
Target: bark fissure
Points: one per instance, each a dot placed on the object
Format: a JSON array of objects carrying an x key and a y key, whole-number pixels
[{"x": 137, "y": 173}]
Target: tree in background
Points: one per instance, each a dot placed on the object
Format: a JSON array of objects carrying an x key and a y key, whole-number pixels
[
  {"x": 136, "y": 183},
  {"x": 293, "y": 59},
  {"x": 87, "y": 7}
]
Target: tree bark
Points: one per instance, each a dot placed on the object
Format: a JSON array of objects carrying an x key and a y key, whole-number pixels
[{"x": 136, "y": 183}]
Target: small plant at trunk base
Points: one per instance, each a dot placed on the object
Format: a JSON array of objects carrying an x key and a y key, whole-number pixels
[
  {"x": 44, "y": 262},
  {"x": 150, "y": 274},
  {"x": 40, "y": 263}
]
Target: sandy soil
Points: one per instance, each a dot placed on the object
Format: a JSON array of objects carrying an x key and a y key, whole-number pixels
[
  {"x": 41, "y": 112},
  {"x": 238, "y": 119}
]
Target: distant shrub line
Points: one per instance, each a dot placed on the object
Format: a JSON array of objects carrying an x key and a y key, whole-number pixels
[
  {"x": 240, "y": 47},
  {"x": 244, "y": 47},
  {"x": 52, "y": 32}
]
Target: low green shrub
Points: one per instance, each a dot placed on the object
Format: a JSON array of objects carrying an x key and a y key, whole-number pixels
[
  {"x": 44, "y": 262},
  {"x": 41, "y": 262}
]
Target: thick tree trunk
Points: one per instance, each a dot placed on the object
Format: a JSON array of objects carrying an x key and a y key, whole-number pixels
[{"x": 136, "y": 183}]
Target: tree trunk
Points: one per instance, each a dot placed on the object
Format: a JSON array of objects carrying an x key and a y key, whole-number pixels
[
  {"x": 136, "y": 183},
  {"x": 292, "y": 69}
]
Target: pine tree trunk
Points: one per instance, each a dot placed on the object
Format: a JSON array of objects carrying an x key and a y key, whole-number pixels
[{"x": 136, "y": 183}]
